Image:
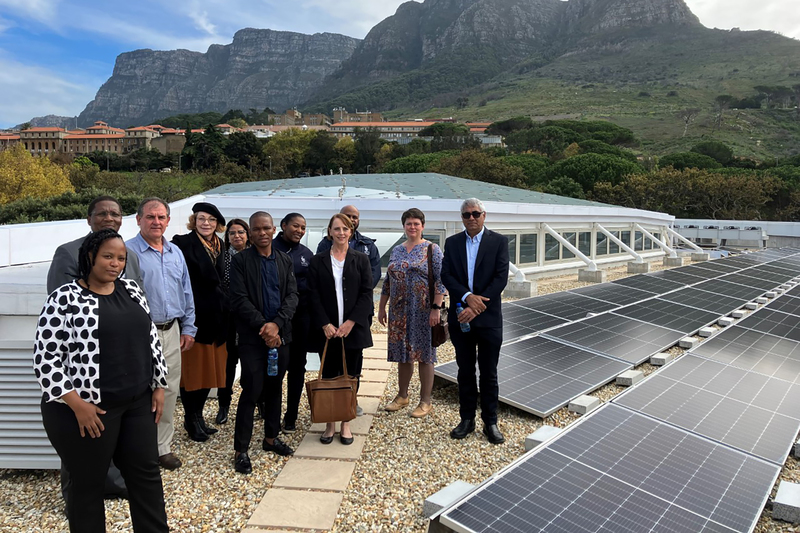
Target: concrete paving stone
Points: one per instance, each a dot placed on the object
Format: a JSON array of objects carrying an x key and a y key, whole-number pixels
[
  {"x": 360, "y": 426},
  {"x": 786, "y": 505},
  {"x": 297, "y": 509},
  {"x": 376, "y": 364},
  {"x": 312, "y": 447},
  {"x": 375, "y": 354},
  {"x": 300, "y": 473},
  {"x": 260, "y": 530},
  {"x": 371, "y": 389},
  {"x": 378, "y": 376},
  {"x": 369, "y": 404}
]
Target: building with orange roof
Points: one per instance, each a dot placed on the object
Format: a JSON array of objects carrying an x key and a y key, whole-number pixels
[
  {"x": 391, "y": 131},
  {"x": 8, "y": 139}
]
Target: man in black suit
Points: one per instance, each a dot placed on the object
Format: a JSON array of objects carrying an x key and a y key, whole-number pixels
[
  {"x": 475, "y": 272},
  {"x": 264, "y": 298}
]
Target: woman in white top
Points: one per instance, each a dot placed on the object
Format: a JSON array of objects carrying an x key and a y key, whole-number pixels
[{"x": 340, "y": 291}]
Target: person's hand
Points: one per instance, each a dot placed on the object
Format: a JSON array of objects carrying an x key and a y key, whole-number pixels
[
  {"x": 273, "y": 342},
  {"x": 88, "y": 419},
  {"x": 187, "y": 341},
  {"x": 466, "y": 315},
  {"x": 344, "y": 329},
  {"x": 382, "y": 317},
  {"x": 435, "y": 317},
  {"x": 475, "y": 301},
  {"x": 157, "y": 404},
  {"x": 329, "y": 330}
]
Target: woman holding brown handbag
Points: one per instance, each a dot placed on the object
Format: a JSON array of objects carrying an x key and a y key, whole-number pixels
[
  {"x": 340, "y": 291},
  {"x": 414, "y": 274}
]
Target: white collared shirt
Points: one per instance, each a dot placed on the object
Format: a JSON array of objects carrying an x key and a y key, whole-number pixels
[{"x": 473, "y": 244}]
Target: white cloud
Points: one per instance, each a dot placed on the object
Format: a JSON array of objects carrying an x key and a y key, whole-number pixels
[
  {"x": 777, "y": 15},
  {"x": 30, "y": 91}
]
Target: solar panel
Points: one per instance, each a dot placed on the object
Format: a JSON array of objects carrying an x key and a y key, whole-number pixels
[
  {"x": 519, "y": 321},
  {"x": 616, "y": 471},
  {"x": 759, "y": 272},
  {"x": 749, "y": 281},
  {"x": 794, "y": 291},
  {"x": 669, "y": 315},
  {"x": 775, "y": 269},
  {"x": 749, "y": 411},
  {"x": 733, "y": 290},
  {"x": 716, "y": 266},
  {"x": 678, "y": 276},
  {"x": 716, "y": 303},
  {"x": 773, "y": 322},
  {"x": 700, "y": 272},
  {"x": 540, "y": 376},
  {"x": 785, "y": 304},
  {"x": 616, "y": 294},
  {"x": 754, "y": 351},
  {"x": 621, "y": 337},
  {"x": 648, "y": 283},
  {"x": 566, "y": 305}
]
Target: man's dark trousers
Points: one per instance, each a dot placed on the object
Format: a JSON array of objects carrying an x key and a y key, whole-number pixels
[
  {"x": 254, "y": 380},
  {"x": 481, "y": 345}
]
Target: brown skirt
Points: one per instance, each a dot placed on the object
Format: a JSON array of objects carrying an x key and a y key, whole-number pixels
[{"x": 203, "y": 367}]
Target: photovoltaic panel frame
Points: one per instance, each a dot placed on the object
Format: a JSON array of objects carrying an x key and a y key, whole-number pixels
[
  {"x": 773, "y": 322},
  {"x": 749, "y": 281},
  {"x": 669, "y": 315},
  {"x": 716, "y": 303},
  {"x": 621, "y": 471},
  {"x": 732, "y": 290},
  {"x": 785, "y": 304},
  {"x": 648, "y": 283},
  {"x": 615, "y": 294},
  {"x": 566, "y": 305},
  {"x": 519, "y": 321},
  {"x": 747, "y": 410}
]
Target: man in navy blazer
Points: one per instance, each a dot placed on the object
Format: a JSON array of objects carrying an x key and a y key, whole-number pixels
[{"x": 475, "y": 272}]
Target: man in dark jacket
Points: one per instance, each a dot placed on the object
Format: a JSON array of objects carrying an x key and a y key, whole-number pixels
[
  {"x": 264, "y": 298},
  {"x": 475, "y": 272},
  {"x": 358, "y": 242}
]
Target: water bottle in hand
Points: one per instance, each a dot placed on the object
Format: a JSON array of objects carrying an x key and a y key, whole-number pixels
[
  {"x": 272, "y": 362},
  {"x": 464, "y": 325}
]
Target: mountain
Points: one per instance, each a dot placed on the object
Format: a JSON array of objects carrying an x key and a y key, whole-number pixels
[
  {"x": 260, "y": 68},
  {"x": 50, "y": 121}
]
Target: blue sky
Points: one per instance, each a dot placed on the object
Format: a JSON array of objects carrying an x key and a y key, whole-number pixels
[{"x": 55, "y": 54}]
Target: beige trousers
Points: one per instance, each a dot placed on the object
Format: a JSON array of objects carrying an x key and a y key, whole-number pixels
[{"x": 171, "y": 346}]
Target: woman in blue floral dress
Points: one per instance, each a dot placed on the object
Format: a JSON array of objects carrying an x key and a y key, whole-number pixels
[{"x": 411, "y": 314}]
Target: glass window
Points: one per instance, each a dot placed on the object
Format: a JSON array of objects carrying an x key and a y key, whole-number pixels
[
  {"x": 551, "y": 248},
  {"x": 648, "y": 243},
  {"x": 585, "y": 243},
  {"x": 657, "y": 236},
  {"x": 571, "y": 237},
  {"x": 625, "y": 237},
  {"x": 433, "y": 237},
  {"x": 638, "y": 243},
  {"x": 601, "y": 244},
  {"x": 512, "y": 248},
  {"x": 528, "y": 245},
  {"x": 613, "y": 248}
]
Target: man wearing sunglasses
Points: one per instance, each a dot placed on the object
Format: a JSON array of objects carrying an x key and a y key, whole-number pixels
[{"x": 475, "y": 272}]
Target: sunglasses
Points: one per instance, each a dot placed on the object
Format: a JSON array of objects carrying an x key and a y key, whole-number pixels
[{"x": 474, "y": 214}]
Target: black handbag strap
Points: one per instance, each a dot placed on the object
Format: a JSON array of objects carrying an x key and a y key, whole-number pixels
[
  {"x": 322, "y": 361},
  {"x": 430, "y": 274}
]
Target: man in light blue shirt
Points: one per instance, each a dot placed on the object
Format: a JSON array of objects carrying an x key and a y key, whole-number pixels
[{"x": 169, "y": 293}]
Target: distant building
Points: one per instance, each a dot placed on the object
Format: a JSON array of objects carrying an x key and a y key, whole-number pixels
[
  {"x": 265, "y": 131},
  {"x": 391, "y": 131},
  {"x": 341, "y": 114},
  {"x": 43, "y": 141}
]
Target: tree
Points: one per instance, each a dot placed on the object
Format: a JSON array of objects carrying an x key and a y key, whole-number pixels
[
  {"x": 532, "y": 165},
  {"x": 462, "y": 102},
  {"x": 588, "y": 169},
  {"x": 550, "y": 140},
  {"x": 345, "y": 150},
  {"x": 205, "y": 150},
  {"x": 368, "y": 142},
  {"x": 287, "y": 151},
  {"x": 238, "y": 123},
  {"x": 321, "y": 153},
  {"x": 476, "y": 165},
  {"x": 682, "y": 160},
  {"x": 721, "y": 103},
  {"x": 716, "y": 150},
  {"x": 592, "y": 146},
  {"x": 444, "y": 129},
  {"x": 564, "y": 186},
  {"x": 796, "y": 91},
  {"x": 241, "y": 146},
  {"x": 505, "y": 127},
  {"x": 25, "y": 176},
  {"x": 688, "y": 116},
  {"x": 415, "y": 163}
]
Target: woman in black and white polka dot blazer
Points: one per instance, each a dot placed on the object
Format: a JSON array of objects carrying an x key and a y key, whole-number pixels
[{"x": 99, "y": 363}]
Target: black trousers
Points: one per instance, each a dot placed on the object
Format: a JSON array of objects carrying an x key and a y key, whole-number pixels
[
  {"x": 130, "y": 438},
  {"x": 333, "y": 361},
  {"x": 224, "y": 395},
  {"x": 254, "y": 381},
  {"x": 481, "y": 345},
  {"x": 296, "y": 375},
  {"x": 114, "y": 487}
]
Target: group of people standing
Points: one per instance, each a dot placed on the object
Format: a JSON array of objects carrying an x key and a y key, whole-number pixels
[{"x": 130, "y": 325}]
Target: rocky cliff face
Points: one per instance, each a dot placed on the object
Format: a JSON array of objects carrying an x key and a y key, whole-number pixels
[
  {"x": 596, "y": 16},
  {"x": 50, "y": 121},
  {"x": 260, "y": 68}
]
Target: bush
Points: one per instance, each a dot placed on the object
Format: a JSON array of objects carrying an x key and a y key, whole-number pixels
[
  {"x": 532, "y": 165},
  {"x": 415, "y": 163},
  {"x": 683, "y": 160},
  {"x": 588, "y": 169},
  {"x": 715, "y": 150},
  {"x": 592, "y": 146}
]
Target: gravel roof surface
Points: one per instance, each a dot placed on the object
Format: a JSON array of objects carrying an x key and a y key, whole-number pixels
[{"x": 404, "y": 461}]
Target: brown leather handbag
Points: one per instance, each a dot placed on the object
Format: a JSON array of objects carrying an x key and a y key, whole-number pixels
[
  {"x": 439, "y": 332},
  {"x": 332, "y": 399}
]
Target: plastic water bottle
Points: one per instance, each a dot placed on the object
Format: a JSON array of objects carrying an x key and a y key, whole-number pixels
[
  {"x": 272, "y": 362},
  {"x": 464, "y": 325}
]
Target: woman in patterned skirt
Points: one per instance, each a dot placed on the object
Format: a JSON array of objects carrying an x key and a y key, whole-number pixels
[{"x": 411, "y": 313}]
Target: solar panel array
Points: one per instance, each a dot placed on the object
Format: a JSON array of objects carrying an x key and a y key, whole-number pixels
[
  {"x": 626, "y": 321},
  {"x": 695, "y": 447}
]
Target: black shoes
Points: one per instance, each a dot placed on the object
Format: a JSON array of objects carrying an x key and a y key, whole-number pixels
[
  {"x": 169, "y": 461},
  {"x": 347, "y": 441},
  {"x": 222, "y": 414},
  {"x": 326, "y": 440},
  {"x": 464, "y": 428},
  {"x": 192, "y": 426},
  {"x": 202, "y": 422},
  {"x": 277, "y": 446},
  {"x": 289, "y": 427},
  {"x": 242, "y": 463},
  {"x": 493, "y": 434}
]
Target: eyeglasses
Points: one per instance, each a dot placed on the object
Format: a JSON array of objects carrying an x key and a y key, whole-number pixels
[
  {"x": 474, "y": 214},
  {"x": 210, "y": 220},
  {"x": 105, "y": 214},
  {"x": 239, "y": 232}
]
